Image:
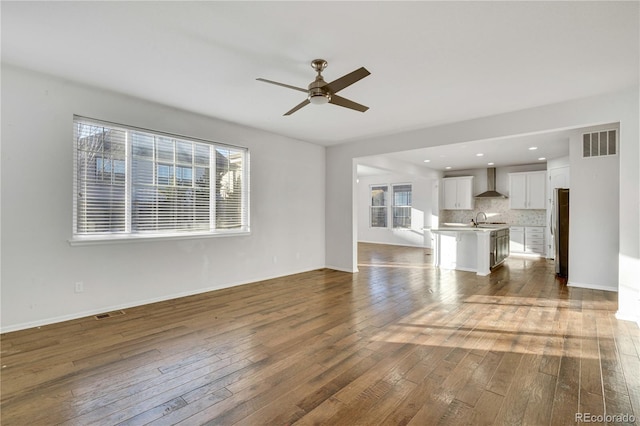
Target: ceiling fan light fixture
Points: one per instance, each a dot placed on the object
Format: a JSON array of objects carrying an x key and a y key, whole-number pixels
[{"x": 319, "y": 98}]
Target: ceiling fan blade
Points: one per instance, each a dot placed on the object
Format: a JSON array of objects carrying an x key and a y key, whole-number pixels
[
  {"x": 346, "y": 80},
  {"x": 297, "y": 107},
  {"x": 344, "y": 102},
  {"x": 300, "y": 89}
]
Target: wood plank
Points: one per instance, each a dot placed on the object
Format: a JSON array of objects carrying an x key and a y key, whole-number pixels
[
  {"x": 435, "y": 403},
  {"x": 488, "y": 407},
  {"x": 631, "y": 369},
  {"x": 566, "y": 402},
  {"x": 540, "y": 403},
  {"x": 519, "y": 391},
  {"x": 475, "y": 387},
  {"x": 387, "y": 405},
  {"x": 505, "y": 373}
]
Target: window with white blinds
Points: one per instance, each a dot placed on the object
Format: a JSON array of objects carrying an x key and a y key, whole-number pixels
[
  {"x": 131, "y": 182},
  {"x": 402, "y": 206},
  {"x": 378, "y": 207}
]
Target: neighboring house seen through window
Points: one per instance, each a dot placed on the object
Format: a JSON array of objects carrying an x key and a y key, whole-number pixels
[
  {"x": 378, "y": 208},
  {"x": 138, "y": 183}
]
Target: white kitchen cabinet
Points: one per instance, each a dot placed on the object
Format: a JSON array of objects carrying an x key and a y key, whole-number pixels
[
  {"x": 516, "y": 239},
  {"x": 457, "y": 193},
  {"x": 527, "y": 239},
  {"x": 527, "y": 190},
  {"x": 534, "y": 240}
]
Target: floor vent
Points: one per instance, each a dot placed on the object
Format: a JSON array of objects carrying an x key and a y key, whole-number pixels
[{"x": 109, "y": 315}]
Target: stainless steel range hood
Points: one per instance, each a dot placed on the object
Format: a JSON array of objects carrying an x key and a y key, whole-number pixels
[{"x": 491, "y": 186}]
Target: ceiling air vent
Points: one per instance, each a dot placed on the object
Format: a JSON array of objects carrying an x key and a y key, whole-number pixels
[{"x": 599, "y": 144}]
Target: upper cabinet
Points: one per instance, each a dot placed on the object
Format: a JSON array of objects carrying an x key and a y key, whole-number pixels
[
  {"x": 457, "y": 193},
  {"x": 527, "y": 190}
]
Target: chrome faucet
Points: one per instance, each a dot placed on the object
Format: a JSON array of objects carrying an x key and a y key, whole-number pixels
[{"x": 483, "y": 214}]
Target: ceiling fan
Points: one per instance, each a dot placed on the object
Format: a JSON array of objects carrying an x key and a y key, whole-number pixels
[{"x": 321, "y": 92}]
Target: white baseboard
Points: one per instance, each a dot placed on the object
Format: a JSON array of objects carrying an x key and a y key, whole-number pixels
[
  {"x": 592, "y": 286},
  {"x": 341, "y": 269}
]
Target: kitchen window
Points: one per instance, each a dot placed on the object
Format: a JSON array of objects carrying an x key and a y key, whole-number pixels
[
  {"x": 378, "y": 207},
  {"x": 402, "y": 206},
  {"x": 135, "y": 183}
]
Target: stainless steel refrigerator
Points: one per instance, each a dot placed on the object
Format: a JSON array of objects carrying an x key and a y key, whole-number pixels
[{"x": 560, "y": 230}]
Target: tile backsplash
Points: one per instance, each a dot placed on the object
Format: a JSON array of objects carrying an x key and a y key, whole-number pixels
[{"x": 497, "y": 210}]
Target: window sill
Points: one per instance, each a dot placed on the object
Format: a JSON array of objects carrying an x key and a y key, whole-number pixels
[{"x": 117, "y": 239}]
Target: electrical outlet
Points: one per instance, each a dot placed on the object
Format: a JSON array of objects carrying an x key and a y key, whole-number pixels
[{"x": 79, "y": 287}]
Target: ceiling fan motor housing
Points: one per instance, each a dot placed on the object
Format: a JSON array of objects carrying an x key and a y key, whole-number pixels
[{"x": 317, "y": 94}]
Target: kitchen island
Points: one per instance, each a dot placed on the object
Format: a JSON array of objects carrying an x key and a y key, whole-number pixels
[{"x": 469, "y": 248}]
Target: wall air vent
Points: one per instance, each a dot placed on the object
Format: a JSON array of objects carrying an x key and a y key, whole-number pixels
[{"x": 599, "y": 144}]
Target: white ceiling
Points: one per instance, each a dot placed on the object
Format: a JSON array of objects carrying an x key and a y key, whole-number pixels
[
  {"x": 431, "y": 62},
  {"x": 503, "y": 152}
]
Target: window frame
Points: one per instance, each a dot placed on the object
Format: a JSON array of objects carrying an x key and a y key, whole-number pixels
[{"x": 82, "y": 238}]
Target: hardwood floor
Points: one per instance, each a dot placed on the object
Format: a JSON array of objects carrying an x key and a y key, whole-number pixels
[{"x": 397, "y": 343}]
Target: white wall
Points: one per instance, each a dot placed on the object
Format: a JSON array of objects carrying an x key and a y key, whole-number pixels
[
  {"x": 619, "y": 107},
  {"x": 39, "y": 267},
  {"x": 557, "y": 163},
  {"x": 594, "y": 208},
  {"x": 422, "y": 195}
]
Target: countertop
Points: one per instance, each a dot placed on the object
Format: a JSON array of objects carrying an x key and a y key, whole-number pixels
[{"x": 467, "y": 228}]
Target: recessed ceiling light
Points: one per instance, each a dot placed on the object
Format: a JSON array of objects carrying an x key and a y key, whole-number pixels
[
  {"x": 448, "y": 167},
  {"x": 533, "y": 148},
  {"x": 490, "y": 164},
  {"x": 479, "y": 154},
  {"x": 541, "y": 158},
  {"x": 427, "y": 161}
]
